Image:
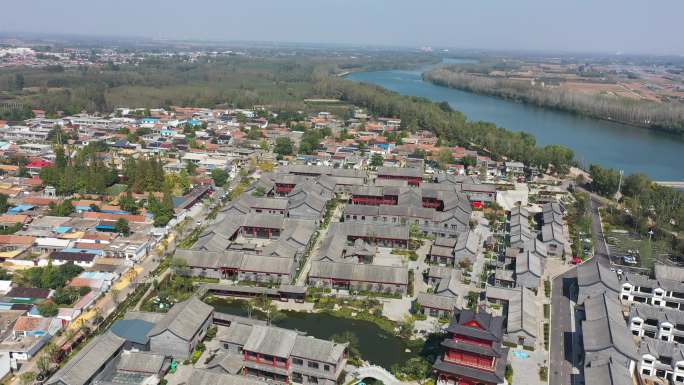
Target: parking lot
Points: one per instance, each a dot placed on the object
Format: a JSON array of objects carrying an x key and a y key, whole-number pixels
[{"x": 630, "y": 250}]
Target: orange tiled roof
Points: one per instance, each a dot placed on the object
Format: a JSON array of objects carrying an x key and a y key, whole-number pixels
[
  {"x": 82, "y": 282},
  {"x": 16, "y": 240},
  {"x": 38, "y": 201},
  {"x": 8, "y": 167},
  {"x": 114, "y": 217},
  {"x": 26, "y": 323},
  {"x": 19, "y": 218}
]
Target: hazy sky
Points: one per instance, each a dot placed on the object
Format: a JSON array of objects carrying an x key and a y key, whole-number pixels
[{"x": 632, "y": 26}]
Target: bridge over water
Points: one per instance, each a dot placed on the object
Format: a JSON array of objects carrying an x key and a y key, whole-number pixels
[{"x": 377, "y": 372}]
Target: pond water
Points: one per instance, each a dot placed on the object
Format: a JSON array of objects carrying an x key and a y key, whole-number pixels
[{"x": 375, "y": 344}]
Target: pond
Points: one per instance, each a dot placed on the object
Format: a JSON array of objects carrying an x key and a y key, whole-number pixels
[{"x": 375, "y": 344}]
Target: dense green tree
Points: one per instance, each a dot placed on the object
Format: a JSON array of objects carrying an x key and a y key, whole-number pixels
[
  {"x": 61, "y": 209},
  {"x": 254, "y": 133},
  {"x": 220, "y": 176},
  {"x": 283, "y": 146},
  {"x": 162, "y": 210},
  {"x": 604, "y": 180},
  {"x": 377, "y": 160},
  {"x": 19, "y": 82},
  {"x": 128, "y": 203},
  {"x": 311, "y": 140},
  {"x": 444, "y": 158},
  {"x": 83, "y": 173},
  {"x": 122, "y": 227},
  {"x": 4, "y": 203},
  {"x": 50, "y": 276},
  {"x": 144, "y": 174},
  {"x": 6, "y": 230},
  {"x": 48, "y": 309},
  {"x": 469, "y": 161},
  {"x": 191, "y": 168},
  {"x": 635, "y": 185}
]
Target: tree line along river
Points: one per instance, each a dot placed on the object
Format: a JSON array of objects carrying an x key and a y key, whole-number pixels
[{"x": 609, "y": 144}]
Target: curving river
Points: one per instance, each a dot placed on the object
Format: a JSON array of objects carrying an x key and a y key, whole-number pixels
[{"x": 610, "y": 144}]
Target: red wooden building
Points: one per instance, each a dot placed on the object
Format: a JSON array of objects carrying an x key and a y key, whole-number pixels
[
  {"x": 473, "y": 352},
  {"x": 414, "y": 176}
]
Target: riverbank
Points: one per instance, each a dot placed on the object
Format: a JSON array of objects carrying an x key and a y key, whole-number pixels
[
  {"x": 594, "y": 141},
  {"x": 661, "y": 117}
]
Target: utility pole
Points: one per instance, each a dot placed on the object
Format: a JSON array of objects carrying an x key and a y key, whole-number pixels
[{"x": 617, "y": 194}]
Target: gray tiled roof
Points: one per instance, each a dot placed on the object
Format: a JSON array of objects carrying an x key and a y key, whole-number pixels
[
  {"x": 140, "y": 362},
  {"x": 593, "y": 278},
  {"x": 435, "y": 301},
  {"x": 184, "y": 319},
  {"x": 523, "y": 308},
  {"x": 263, "y": 264},
  {"x": 606, "y": 372},
  {"x": 87, "y": 362},
  {"x": 606, "y": 333},
  {"x": 237, "y": 333},
  {"x": 552, "y": 232},
  {"x": 658, "y": 348},
  {"x": 317, "y": 349},
  {"x": 661, "y": 314},
  {"x": 357, "y": 272},
  {"x": 528, "y": 262},
  {"x": 271, "y": 221},
  {"x": 667, "y": 272},
  {"x": 205, "y": 377},
  {"x": 400, "y": 171},
  {"x": 273, "y": 341}
]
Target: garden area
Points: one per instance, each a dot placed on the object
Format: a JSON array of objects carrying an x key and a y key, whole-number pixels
[{"x": 167, "y": 293}]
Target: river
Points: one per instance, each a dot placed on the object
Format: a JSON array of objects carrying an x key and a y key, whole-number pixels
[{"x": 610, "y": 144}]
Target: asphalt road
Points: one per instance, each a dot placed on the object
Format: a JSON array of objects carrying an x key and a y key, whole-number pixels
[{"x": 600, "y": 245}]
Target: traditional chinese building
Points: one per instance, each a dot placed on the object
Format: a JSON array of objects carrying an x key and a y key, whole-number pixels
[{"x": 473, "y": 352}]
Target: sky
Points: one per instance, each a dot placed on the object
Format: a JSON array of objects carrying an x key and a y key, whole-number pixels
[{"x": 608, "y": 26}]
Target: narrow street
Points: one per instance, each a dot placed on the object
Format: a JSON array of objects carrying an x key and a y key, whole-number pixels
[{"x": 301, "y": 279}]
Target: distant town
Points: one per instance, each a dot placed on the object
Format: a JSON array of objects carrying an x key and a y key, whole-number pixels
[{"x": 330, "y": 244}]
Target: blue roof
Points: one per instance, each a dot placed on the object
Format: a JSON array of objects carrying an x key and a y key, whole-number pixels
[
  {"x": 20, "y": 208},
  {"x": 134, "y": 330},
  {"x": 62, "y": 229},
  {"x": 114, "y": 211},
  {"x": 177, "y": 201},
  {"x": 105, "y": 228},
  {"x": 84, "y": 208},
  {"x": 81, "y": 250}
]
